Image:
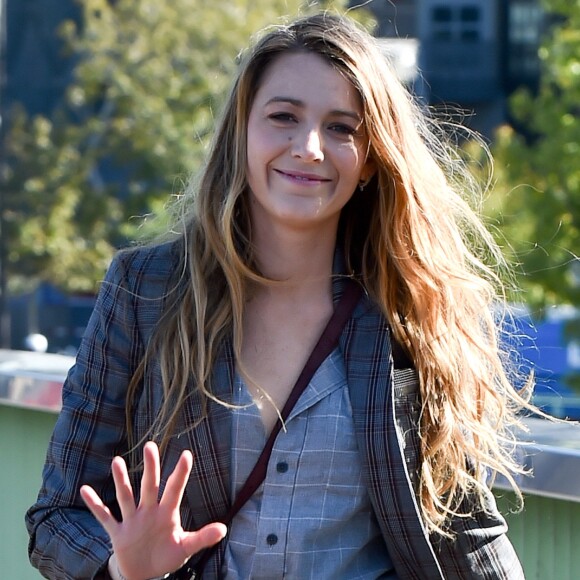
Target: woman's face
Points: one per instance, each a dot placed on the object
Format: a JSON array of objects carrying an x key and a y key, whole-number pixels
[{"x": 307, "y": 146}]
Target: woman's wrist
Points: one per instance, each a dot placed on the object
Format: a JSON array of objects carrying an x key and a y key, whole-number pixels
[
  {"x": 116, "y": 574},
  {"x": 113, "y": 567}
]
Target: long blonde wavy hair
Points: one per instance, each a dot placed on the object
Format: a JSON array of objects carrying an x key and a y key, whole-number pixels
[{"x": 411, "y": 237}]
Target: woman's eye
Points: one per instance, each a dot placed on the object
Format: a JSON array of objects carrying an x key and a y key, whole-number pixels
[
  {"x": 343, "y": 129},
  {"x": 282, "y": 117}
]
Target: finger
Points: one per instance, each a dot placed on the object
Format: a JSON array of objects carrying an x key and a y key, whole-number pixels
[
  {"x": 98, "y": 508},
  {"x": 123, "y": 488},
  {"x": 150, "y": 479},
  {"x": 193, "y": 542},
  {"x": 176, "y": 482}
]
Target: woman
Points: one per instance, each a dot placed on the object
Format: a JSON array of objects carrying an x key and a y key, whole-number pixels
[{"x": 322, "y": 177}]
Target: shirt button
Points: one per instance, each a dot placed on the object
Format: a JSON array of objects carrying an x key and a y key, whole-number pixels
[
  {"x": 272, "y": 539},
  {"x": 282, "y": 467}
]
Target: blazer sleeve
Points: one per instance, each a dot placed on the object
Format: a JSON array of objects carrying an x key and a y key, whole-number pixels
[
  {"x": 481, "y": 548},
  {"x": 66, "y": 541}
]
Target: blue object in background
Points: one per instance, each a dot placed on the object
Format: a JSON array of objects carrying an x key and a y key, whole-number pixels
[{"x": 545, "y": 350}]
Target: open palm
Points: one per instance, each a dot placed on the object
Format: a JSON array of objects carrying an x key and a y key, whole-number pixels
[{"x": 150, "y": 541}]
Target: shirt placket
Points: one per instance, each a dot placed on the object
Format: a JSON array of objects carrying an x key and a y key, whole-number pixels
[
  {"x": 278, "y": 489},
  {"x": 276, "y": 508}
]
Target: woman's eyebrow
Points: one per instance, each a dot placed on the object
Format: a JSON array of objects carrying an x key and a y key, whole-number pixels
[{"x": 300, "y": 104}]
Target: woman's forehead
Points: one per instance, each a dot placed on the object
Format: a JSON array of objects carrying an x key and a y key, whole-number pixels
[{"x": 304, "y": 77}]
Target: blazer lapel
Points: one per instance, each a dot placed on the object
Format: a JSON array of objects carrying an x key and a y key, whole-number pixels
[
  {"x": 208, "y": 488},
  {"x": 366, "y": 348}
]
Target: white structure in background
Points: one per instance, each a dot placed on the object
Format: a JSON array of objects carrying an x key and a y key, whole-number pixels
[
  {"x": 403, "y": 54},
  {"x": 36, "y": 342}
]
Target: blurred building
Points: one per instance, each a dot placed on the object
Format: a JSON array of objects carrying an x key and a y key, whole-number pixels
[
  {"x": 472, "y": 53},
  {"x": 38, "y": 67},
  {"x": 469, "y": 53}
]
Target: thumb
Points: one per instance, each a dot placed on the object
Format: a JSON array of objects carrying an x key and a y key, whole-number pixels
[{"x": 205, "y": 537}]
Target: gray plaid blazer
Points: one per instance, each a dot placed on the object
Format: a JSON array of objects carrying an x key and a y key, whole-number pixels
[{"x": 67, "y": 542}]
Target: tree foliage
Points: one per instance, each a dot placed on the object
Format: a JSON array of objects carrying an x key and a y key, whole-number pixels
[
  {"x": 148, "y": 80},
  {"x": 537, "y": 195}
]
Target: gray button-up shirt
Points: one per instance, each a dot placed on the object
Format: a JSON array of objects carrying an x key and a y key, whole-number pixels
[{"x": 312, "y": 517}]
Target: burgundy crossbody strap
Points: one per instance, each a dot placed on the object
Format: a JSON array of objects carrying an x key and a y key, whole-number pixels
[{"x": 325, "y": 345}]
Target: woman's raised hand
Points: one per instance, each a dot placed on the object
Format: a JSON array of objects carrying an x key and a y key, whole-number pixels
[{"x": 149, "y": 541}]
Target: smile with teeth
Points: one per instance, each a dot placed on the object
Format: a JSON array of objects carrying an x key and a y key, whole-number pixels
[{"x": 302, "y": 177}]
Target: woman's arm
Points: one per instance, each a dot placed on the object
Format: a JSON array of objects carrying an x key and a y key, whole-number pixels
[
  {"x": 65, "y": 539},
  {"x": 480, "y": 549}
]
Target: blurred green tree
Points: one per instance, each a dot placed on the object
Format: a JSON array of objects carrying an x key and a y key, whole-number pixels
[
  {"x": 148, "y": 80},
  {"x": 536, "y": 198}
]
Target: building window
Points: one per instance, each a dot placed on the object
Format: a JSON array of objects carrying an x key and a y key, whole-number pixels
[
  {"x": 525, "y": 23},
  {"x": 457, "y": 23},
  {"x": 469, "y": 14},
  {"x": 524, "y": 32},
  {"x": 442, "y": 14}
]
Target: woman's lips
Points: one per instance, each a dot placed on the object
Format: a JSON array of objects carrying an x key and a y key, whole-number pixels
[{"x": 301, "y": 177}]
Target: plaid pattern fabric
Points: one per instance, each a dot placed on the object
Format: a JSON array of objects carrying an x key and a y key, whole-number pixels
[
  {"x": 312, "y": 517},
  {"x": 386, "y": 416},
  {"x": 67, "y": 543}
]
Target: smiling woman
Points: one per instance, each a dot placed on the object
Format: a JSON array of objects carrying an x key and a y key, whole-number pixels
[
  {"x": 309, "y": 152},
  {"x": 309, "y": 149},
  {"x": 304, "y": 334}
]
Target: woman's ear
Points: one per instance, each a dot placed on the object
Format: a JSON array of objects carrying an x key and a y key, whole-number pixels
[{"x": 368, "y": 171}]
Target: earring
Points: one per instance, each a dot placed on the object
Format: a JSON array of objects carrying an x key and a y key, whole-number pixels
[{"x": 362, "y": 184}]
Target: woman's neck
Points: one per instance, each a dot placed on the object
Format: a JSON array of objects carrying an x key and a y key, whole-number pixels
[{"x": 301, "y": 261}]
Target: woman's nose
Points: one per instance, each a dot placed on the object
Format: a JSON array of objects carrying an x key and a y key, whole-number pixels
[{"x": 308, "y": 146}]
